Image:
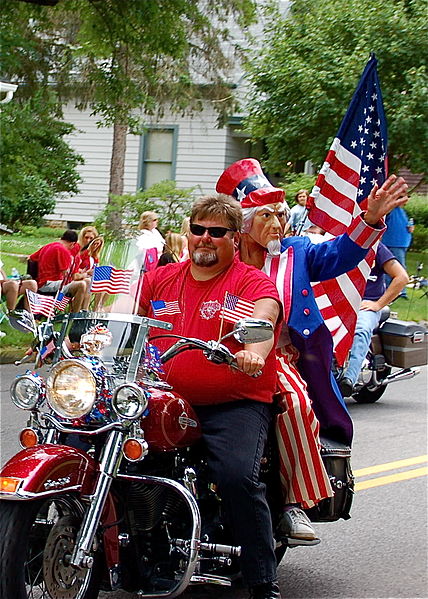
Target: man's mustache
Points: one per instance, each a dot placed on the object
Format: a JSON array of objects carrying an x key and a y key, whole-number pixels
[{"x": 204, "y": 244}]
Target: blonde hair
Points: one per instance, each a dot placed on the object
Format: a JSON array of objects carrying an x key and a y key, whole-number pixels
[
  {"x": 82, "y": 233},
  {"x": 146, "y": 219},
  {"x": 185, "y": 226},
  {"x": 174, "y": 244}
]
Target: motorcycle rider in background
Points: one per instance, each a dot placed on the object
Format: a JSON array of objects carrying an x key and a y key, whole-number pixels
[
  {"x": 305, "y": 351},
  {"x": 235, "y": 411},
  {"x": 376, "y": 297}
]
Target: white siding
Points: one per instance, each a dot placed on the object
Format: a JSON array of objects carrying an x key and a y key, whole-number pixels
[{"x": 200, "y": 159}]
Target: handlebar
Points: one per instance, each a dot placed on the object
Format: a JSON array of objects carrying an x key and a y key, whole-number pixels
[{"x": 214, "y": 351}]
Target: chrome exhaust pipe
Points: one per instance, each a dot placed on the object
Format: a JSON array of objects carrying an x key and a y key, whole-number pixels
[{"x": 401, "y": 375}]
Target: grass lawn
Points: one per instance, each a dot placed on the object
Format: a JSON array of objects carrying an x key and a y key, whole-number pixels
[{"x": 13, "y": 247}]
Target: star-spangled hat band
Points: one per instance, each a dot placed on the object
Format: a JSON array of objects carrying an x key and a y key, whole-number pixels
[{"x": 245, "y": 181}]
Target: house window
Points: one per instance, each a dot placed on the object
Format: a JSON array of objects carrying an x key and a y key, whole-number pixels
[{"x": 158, "y": 155}]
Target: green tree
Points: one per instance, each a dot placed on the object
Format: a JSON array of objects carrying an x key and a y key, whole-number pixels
[
  {"x": 37, "y": 163},
  {"x": 306, "y": 72},
  {"x": 121, "y": 57}
]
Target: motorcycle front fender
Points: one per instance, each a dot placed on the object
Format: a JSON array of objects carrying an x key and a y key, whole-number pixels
[{"x": 47, "y": 470}]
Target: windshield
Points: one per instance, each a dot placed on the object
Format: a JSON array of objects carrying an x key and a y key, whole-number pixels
[{"x": 110, "y": 329}]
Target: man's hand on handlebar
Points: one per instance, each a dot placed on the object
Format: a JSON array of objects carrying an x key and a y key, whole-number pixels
[{"x": 249, "y": 362}]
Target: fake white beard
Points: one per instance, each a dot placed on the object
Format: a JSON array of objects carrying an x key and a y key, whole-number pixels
[{"x": 274, "y": 247}]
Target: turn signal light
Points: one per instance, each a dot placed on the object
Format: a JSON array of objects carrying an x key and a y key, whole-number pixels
[
  {"x": 134, "y": 450},
  {"x": 9, "y": 484},
  {"x": 28, "y": 438}
]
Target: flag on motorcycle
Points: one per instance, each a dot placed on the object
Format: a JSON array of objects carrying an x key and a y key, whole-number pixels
[
  {"x": 107, "y": 279},
  {"x": 234, "y": 308},
  {"x": 45, "y": 304},
  {"x": 356, "y": 161}
]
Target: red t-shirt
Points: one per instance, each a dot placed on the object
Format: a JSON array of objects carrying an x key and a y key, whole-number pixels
[
  {"x": 53, "y": 258},
  {"x": 190, "y": 373}
]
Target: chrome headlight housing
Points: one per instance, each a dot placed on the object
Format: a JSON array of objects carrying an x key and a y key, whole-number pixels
[
  {"x": 129, "y": 401},
  {"x": 71, "y": 389},
  {"x": 27, "y": 391}
]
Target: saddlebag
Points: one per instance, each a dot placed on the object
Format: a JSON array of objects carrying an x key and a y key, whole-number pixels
[
  {"x": 404, "y": 343},
  {"x": 337, "y": 461}
]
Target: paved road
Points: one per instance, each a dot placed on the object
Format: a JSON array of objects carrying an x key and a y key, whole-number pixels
[{"x": 382, "y": 551}]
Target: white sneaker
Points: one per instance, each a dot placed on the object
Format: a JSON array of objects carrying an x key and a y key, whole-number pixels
[{"x": 296, "y": 526}]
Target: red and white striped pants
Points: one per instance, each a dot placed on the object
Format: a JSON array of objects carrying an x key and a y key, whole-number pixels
[{"x": 303, "y": 475}]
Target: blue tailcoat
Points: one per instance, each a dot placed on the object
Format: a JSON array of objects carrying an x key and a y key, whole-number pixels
[{"x": 308, "y": 332}]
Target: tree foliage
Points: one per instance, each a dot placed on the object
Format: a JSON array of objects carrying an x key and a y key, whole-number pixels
[
  {"x": 37, "y": 163},
  {"x": 307, "y": 71}
]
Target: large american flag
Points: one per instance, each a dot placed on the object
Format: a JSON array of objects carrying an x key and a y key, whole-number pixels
[
  {"x": 108, "y": 279},
  {"x": 234, "y": 308},
  {"x": 356, "y": 161}
]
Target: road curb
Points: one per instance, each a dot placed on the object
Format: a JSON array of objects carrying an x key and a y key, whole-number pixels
[{"x": 10, "y": 356}]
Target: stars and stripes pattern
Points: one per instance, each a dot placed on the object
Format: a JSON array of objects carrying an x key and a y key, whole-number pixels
[
  {"x": 107, "y": 279},
  {"x": 234, "y": 308},
  {"x": 356, "y": 161},
  {"x": 160, "y": 308},
  {"x": 45, "y": 304}
]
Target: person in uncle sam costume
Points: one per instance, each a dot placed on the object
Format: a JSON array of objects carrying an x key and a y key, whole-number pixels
[{"x": 310, "y": 400}]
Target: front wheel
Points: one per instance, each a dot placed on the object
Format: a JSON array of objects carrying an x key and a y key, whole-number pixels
[{"x": 36, "y": 542}]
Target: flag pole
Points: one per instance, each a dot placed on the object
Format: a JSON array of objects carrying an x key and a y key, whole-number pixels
[{"x": 222, "y": 317}]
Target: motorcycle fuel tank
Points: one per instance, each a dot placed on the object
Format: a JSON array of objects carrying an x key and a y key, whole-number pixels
[{"x": 171, "y": 422}]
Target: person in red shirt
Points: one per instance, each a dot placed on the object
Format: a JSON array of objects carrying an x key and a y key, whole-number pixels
[
  {"x": 56, "y": 265},
  {"x": 235, "y": 413}
]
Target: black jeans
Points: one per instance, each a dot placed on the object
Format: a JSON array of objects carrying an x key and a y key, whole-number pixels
[{"x": 235, "y": 434}]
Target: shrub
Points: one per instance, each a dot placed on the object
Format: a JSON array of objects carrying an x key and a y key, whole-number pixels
[
  {"x": 35, "y": 200},
  {"x": 417, "y": 208},
  {"x": 172, "y": 205},
  {"x": 420, "y": 239}
]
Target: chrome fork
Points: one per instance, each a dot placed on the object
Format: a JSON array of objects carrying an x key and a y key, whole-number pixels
[{"x": 110, "y": 462}]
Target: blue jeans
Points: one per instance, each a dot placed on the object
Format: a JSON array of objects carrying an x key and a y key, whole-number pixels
[
  {"x": 400, "y": 254},
  {"x": 367, "y": 321},
  {"x": 235, "y": 435}
]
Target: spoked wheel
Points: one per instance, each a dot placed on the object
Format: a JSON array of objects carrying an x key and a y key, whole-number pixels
[{"x": 36, "y": 542}]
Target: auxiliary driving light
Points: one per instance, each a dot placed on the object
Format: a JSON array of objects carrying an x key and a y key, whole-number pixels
[
  {"x": 129, "y": 401},
  {"x": 26, "y": 391}
]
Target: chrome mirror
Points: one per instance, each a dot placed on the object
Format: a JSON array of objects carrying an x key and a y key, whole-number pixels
[{"x": 252, "y": 330}]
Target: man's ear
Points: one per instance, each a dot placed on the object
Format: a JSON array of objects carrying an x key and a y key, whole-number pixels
[{"x": 236, "y": 238}]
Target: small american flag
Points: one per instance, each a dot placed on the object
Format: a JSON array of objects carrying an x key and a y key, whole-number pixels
[
  {"x": 46, "y": 305},
  {"x": 355, "y": 162},
  {"x": 47, "y": 350},
  {"x": 235, "y": 308},
  {"x": 108, "y": 279},
  {"x": 160, "y": 307}
]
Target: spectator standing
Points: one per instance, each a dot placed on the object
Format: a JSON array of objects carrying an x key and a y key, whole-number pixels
[
  {"x": 172, "y": 249},
  {"x": 398, "y": 238},
  {"x": 184, "y": 232},
  {"x": 297, "y": 213}
]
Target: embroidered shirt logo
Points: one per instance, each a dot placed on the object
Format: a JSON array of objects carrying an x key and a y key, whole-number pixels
[{"x": 209, "y": 309}]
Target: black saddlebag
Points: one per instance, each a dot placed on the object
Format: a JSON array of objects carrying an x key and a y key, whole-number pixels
[{"x": 337, "y": 461}]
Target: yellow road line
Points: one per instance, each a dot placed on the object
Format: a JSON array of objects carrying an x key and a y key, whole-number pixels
[
  {"x": 391, "y": 478},
  {"x": 391, "y": 465}
]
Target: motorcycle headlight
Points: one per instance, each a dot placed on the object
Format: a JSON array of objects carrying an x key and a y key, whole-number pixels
[
  {"x": 71, "y": 389},
  {"x": 129, "y": 401},
  {"x": 26, "y": 391}
]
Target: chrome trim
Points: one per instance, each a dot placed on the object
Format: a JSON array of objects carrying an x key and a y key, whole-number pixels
[
  {"x": 113, "y": 317},
  {"x": 64, "y": 429},
  {"x": 196, "y": 531},
  {"x": 402, "y": 375},
  {"x": 26, "y": 495}
]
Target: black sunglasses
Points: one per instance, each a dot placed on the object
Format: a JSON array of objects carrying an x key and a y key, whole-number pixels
[{"x": 215, "y": 232}]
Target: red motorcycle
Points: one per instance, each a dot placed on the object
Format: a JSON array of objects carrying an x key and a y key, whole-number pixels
[{"x": 111, "y": 489}]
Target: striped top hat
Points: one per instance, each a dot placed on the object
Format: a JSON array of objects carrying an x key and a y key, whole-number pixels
[{"x": 245, "y": 181}]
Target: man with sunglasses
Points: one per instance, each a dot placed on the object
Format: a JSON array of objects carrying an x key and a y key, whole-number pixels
[{"x": 235, "y": 411}]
